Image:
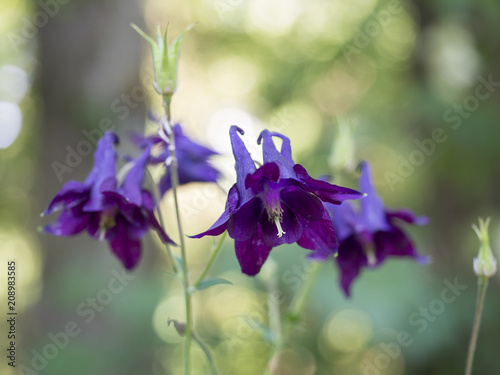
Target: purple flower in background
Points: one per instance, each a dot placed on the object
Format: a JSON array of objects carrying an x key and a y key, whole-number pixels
[
  {"x": 193, "y": 164},
  {"x": 278, "y": 203},
  {"x": 119, "y": 214},
  {"x": 368, "y": 236}
]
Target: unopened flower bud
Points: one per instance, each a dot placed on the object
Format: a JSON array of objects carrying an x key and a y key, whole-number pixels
[
  {"x": 484, "y": 264},
  {"x": 165, "y": 59},
  {"x": 179, "y": 327}
]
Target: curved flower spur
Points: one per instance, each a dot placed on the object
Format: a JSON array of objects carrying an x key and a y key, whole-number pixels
[
  {"x": 119, "y": 213},
  {"x": 278, "y": 203}
]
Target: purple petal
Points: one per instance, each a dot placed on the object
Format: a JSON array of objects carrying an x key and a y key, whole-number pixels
[
  {"x": 372, "y": 208},
  {"x": 189, "y": 171},
  {"x": 323, "y": 190},
  {"x": 193, "y": 171},
  {"x": 125, "y": 247},
  {"x": 292, "y": 228},
  {"x": 350, "y": 260},
  {"x": 345, "y": 220},
  {"x": 305, "y": 204},
  {"x": 104, "y": 168},
  {"x": 149, "y": 205},
  {"x": 252, "y": 253},
  {"x": 286, "y": 149},
  {"x": 187, "y": 146},
  {"x": 244, "y": 163},
  {"x": 270, "y": 171},
  {"x": 242, "y": 223},
  {"x": 319, "y": 236},
  {"x": 271, "y": 155},
  {"x": 70, "y": 222},
  {"x": 71, "y": 193},
  {"x": 142, "y": 141},
  {"x": 396, "y": 243},
  {"x": 131, "y": 188},
  {"x": 94, "y": 224},
  {"x": 407, "y": 216},
  {"x": 220, "y": 225}
]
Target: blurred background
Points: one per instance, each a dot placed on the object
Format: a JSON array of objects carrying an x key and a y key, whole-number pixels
[{"x": 412, "y": 83}]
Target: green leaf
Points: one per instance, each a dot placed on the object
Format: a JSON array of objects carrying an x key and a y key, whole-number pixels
[
  {"x": 207, "y": 283},
  {"x": 174, "y": 54},
  {"x": 156, "y": 49},
  {"x": 143, "y": 34}
]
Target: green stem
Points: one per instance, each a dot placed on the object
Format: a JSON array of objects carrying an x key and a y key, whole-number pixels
[
  {"x": 294, "y": 314},
  {"x": 210, "y": 358},
  {"x": 481, "y": 291},
  {"x": 156, "y": 195},
  {"x": 185, "y": 271},
  {"x": 210, "y": 262},
  {"x": 274, "y": 309}
]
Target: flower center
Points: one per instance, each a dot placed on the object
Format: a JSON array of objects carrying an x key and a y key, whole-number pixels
[
  {"x": 107, "y": 221},
  {"x": 281, "y": 232},
  {"x": 369, "y": 248},
  {"x": 274, "y": 211}
]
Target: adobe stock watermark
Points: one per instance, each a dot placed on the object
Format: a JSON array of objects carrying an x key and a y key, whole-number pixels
[
  {"x": 224, "y": 6},
  {"x": 421, "y": 319},
  {"x": 377, "y": 22},
  {"x": 87, "y": 312},
  {"x": 427, "y": 147},
  {"x": 47, "y": 9},
  {"x": 254, "y": 322},
  {"x": 122, "y": 107}
]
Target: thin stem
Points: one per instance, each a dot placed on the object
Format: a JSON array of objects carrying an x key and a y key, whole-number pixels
[
  {"x": 210, "y": 262},
  {"x": 156, "y": 195},
  {"x": 274, "y": 308},
  {"x": 209, "y": 356},
  {"x": 302, "y": 296},
  {"x": 294, "y": 314},
  {"x": 481, "y": 291},
  {"x": 185, "y": 271}
]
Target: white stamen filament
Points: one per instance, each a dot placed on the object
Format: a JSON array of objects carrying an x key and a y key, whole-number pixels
[
  {"x": 370, "y": 254},
  {"x": 281, "y": 232}
]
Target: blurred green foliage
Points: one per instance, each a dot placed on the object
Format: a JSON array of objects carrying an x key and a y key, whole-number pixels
[{"x": 394, "y": 70}]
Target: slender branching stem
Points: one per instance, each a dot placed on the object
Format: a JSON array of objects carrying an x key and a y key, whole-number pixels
[
  {"x": 185, "y": 271},
  {"x": 481, "y": 291},
  {"x": 156, "y": 195},
  {"x": 294, "y": 314},
  {"x": 208, "y": 354},
  {"x": 212, "y": 259}
]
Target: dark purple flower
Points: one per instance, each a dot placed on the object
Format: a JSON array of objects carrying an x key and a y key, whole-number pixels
[
  {"x": 278, "y": 203},
  {"x": 192, "y": 160},
  {"x": 119, "y": 213},
  {"x": 368, "y": 236}
]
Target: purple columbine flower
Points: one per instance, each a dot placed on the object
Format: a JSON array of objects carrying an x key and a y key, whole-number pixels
[
  {"x": 278, "y": 203},
  {"x": 119, "y": 213},
  {"x": 192, "y": 159},
  {"x": 368, "y": 236}
]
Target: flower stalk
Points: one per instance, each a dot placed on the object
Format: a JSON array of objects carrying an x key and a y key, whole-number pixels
[
  {"x": 485, "y": 266},
  {"x": 211, "y": 261},
  {"x": 293, "y": 316},
  {"x": 481, "y": 291},
  {"x": 184, "y": 265},
  {"x": 165, "y": 64}
]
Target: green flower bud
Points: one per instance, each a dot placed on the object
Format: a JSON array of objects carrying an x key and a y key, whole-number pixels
[
  {"x": 165, "y": 59},
  {"x": 484, "y": 264}
]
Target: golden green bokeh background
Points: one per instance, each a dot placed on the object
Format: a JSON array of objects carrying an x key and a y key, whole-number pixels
[{"x": 395, "y": 74}]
